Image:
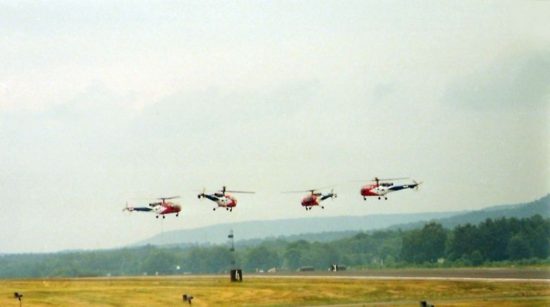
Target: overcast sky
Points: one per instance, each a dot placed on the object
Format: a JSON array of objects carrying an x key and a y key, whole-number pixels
[{"x": 103, "y": 103}]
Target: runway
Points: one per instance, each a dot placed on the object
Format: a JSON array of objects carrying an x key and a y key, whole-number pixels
[
  {"x": 484, "y": 274},
  {"x": 450, "y": 274}
]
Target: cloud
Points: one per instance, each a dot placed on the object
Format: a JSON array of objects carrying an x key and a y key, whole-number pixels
[
  {"x": 3, "y": 93},
  {"x": 384, "y": 90},
  {"x": 518, "y": 82}
]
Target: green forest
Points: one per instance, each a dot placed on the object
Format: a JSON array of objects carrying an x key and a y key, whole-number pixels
[{"x": 503, "y": 241}]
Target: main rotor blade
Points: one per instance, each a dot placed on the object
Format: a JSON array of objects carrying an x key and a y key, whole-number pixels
[
  {"x": 243, "y": 192},
  {"x": 171, "y": 197},
  {"x": 380, "y": 179},
  {"x": 301, "y": 191},
  {"x": 386, "y": 179},
  {"x": 308, "y": 190},
  {"x": 153, "y": 198}
]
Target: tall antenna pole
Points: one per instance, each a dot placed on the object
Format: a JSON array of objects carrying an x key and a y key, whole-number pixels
[
  {"x": 236, "y": 273},
  {"x": 231, "y": 237}
]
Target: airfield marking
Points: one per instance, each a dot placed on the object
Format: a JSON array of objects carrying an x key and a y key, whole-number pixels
[
  {"x": 437, "y": 302},
  {"x": 350, "y": 276},
  {"x": 405, "y": 278}
]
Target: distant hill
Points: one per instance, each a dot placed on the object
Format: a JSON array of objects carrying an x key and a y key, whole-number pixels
[
  {"x": 333, "y": 228},
  {"x": 326, "y": 236},
  {"x": 540, "y": 206},
  {"x": 216, "y": 234}
]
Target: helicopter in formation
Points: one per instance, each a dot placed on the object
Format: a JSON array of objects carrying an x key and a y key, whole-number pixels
[
  {"x": 314, "y": 198},
  {"x": 381, "y": 187},
  {"x": 161, "y": 208},
  {"x": 222, "y": 198}
]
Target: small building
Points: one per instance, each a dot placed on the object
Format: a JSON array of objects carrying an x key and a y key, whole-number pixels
[{"x": 337, "y": 268}]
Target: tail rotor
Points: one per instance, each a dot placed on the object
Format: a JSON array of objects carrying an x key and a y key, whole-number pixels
[
  {"x": 127, "y": 208},
  {"x": 201, "y": 194},
  {"x": 417, "y": 185}
]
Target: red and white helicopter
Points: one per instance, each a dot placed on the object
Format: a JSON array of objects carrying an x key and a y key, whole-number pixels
[
  {"x": 381, "y": 187},
  {"x": 159, "y": 208},
  {"x": 222, "y": 198},
  {"x": 314, "y": 198}
]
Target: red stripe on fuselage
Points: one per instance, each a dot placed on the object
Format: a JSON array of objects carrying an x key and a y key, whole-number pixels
[
  {"x": 230, "y": 204},
  {"x": 170, "y": 208},
  {"x": 368, "y": 190},
  {"x": 310, "y": 200}
]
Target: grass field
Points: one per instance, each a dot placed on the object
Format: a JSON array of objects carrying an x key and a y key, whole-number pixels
[{"x": 218, "y": 291}]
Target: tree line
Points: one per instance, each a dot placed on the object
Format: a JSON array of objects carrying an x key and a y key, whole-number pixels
[{"x": 492, "y": 241}]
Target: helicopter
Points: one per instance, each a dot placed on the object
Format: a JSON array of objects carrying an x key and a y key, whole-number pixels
[
  {"x": 380, "y": 187},
  {"x": 222, "y": 198},
  {"x": 159, "y": 208},
  {"x": 314, "y": 198}
]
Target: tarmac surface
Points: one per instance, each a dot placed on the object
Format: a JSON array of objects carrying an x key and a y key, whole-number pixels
[{"x": 500, "y": 274}]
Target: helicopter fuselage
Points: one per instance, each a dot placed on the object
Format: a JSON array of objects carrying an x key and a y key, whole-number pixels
[
  {"x": 310, "y": 200},
  {"x": 222, "y": 200},
  {"x": 382, "y": 189},
  {"x": 166, "y": 208},
  {"x": 159, "y": 208},
  {"x": 315, "y": 199}
]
